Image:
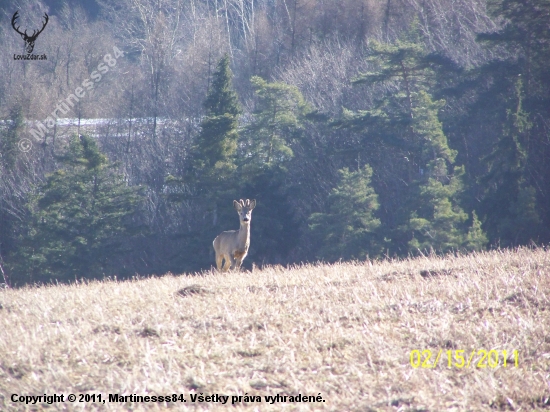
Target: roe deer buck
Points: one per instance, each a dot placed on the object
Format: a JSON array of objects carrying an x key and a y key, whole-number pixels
[{"x": 232, "y": 245}]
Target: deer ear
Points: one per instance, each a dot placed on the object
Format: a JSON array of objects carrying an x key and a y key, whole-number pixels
[
  {"x": 237, "y": 205},
  {"x": 252, "y": 204}
]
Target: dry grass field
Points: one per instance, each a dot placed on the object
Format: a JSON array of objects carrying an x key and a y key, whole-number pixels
[{"x": 343, "y": 331}]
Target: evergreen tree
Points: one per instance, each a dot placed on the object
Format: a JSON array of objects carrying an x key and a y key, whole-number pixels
[
  {"x": 510, "y": 203},
  {"x": 429, "y": 211},
  {"x": 78, "y": 218},
  {"x": 407, "y": 66},
  {"x": 10, "y": 138},
  {"x": 524, "y": 224},
  {"x": 405, "y": 62},
  {"x": 265, "y": 148},
  {"x": 515, "y": 186},
  {"x": 349, "y": 229},
  {"x": 437, "y": 222},
  {"x": 13, "y": 179},
  {"x": 276, "y": 122},
  {"x": 476, "y": 239},
  {"x": 526, "y": 31},
  {"x": 216, "y": 146}
]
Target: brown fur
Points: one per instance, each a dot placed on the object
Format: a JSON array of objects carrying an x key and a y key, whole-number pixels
[{"x": 231, "y": 246}]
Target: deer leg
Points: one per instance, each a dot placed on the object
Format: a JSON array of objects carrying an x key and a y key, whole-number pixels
[
  {"x": 239, "y": 257},
  {"x": 227, "y": 263},
  {"x": 233, "y": 262},
  {"x": 219, "y": 261}
]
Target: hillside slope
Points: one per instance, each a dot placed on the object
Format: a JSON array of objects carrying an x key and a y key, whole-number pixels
[{"x": 343, "y": 331}]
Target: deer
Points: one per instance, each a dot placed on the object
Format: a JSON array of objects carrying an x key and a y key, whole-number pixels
[
  {"x": 29, "y": 40},
  {"x": 231, "y": 246}
]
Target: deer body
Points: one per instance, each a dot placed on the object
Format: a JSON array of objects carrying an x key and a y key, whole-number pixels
[{"x": 232, "y": 246}]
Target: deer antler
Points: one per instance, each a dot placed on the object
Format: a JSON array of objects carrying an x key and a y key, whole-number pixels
[
  {"x": 29, "y": 40},
  {"x": 13, "y": 19},
  {"x": 35, "y": 35}
]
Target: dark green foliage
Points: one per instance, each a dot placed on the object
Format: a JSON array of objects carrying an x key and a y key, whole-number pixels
[
  {"x": 274, "y": 231},
  {"x": 265, "y": 148},
  {"x": 476, "y": 239},
  {"x": 516, "y": 178},
  {"x": 10, "y": 137},
  {"x": 521, "y": 223},
  {"x": 408, "y": 64},
  {"x": 221, "y": 97},
  {"x": 429, "y": 216},
  {"x": 404, "y": 116},
  {"x": 429, "y": 135},
  {"x": 13, "y": 181},
  {"x": 216, "y": 145},
  {"x": 78, "y": 218},
  {"x": 276, "y": 122},
  {"x": 526, "y": 33},
  {"x": 349, "y": 229},
  {"x": 405, "y": 61},
  {"x": 510, "y": 202},
  {"x": 437, "y": 223}
]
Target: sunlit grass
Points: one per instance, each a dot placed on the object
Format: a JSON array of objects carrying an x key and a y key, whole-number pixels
[{"x": 345, "y": 331}]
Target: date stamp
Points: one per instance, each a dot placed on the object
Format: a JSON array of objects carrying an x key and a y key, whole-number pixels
[{"x": 477, "y": 358}]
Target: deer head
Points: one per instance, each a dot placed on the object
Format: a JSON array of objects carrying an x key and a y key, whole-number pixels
[
  {"x": 244, "y": 209},
  {"x": 29, "y": 40}
]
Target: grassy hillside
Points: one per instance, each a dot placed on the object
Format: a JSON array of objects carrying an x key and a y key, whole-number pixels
[{"x": 344, "y": 331}]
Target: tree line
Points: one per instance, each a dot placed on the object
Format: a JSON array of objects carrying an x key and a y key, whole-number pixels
[{"x": 376, "y": 129}]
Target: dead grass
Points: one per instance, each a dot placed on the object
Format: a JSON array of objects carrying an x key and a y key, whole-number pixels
[{"x": 345, "y": 331}]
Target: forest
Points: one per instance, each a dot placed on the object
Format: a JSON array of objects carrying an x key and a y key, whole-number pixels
[{"x": 364, "y": 129}]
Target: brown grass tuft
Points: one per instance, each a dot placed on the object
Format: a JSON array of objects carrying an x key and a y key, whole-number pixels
[{"x": 345, "y": 331}]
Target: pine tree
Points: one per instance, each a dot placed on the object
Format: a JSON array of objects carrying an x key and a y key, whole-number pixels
[
  {"x": 349, "y": 229},
  {"x": 10, "y": 138},
  {"x": 214, "y": 151},
  {"x": 265, "y": 153},
  {"x": 405, "y": 62},
  {"x": 438, "y": 224},
  {"x": 276, "y": 122},
  {"x": 513, "y": 209},
  {"x": 526, "y": 225},
  {"x": 406, "y": 65},
  {"x": 526, "y": 30},
  {"x": 476, "y": 239},
  {"x": 78, "y": 218},
  {"x": 430, "y": 214},
  {"x": 210, "y": 175},
  {"x": 437, "y": 221},
  {"x": 510, "y": 203},
  {"x": 13, "y": 178}
]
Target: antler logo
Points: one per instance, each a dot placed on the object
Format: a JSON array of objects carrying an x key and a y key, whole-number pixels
[{"x": 29, "y": 40}]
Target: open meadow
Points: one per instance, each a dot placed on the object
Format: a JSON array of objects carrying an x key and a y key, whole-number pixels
[{"x": 342, "y": 332}]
